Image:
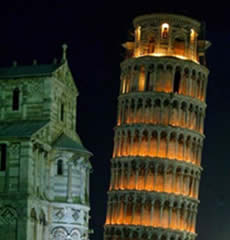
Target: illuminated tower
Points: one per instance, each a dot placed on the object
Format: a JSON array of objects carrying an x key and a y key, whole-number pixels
[{"x": 155, "y": 169}]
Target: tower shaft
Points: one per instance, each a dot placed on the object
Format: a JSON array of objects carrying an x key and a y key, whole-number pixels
[{"x": 156, "y": 164}]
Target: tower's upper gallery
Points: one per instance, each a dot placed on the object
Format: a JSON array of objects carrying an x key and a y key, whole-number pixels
[{"x": 168, "y": 35}]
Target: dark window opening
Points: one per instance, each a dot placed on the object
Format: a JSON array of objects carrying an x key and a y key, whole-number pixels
[
  {"x": 165, "y": 33},
  {"x": 3, "y": 157},
  {"x": 60, "y": 167},
  {"x": 151, "y": 44},
  {"x": 176, "y": 85},
  {"x": 62, "y": 112},
  {"x": 16, "y": 99},
  {"x": 148, "y": 81}
]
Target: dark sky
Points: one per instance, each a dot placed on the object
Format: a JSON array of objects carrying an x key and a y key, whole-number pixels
[{"x": 94, "y": 32}]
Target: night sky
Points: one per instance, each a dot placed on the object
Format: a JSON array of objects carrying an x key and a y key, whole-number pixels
[{"x": 94, "y": 32}]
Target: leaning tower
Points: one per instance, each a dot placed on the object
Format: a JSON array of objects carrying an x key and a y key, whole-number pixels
[{"x": 156, "y": 164}]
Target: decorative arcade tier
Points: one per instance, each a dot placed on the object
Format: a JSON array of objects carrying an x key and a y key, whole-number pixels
[{"x": 156, "y": 164}]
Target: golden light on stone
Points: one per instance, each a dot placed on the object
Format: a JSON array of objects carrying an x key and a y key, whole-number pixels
[
  {"x": 193, "y": 35},
  {"x": 164, "y": 30},
  {"x": 138, "y": 33},
  {"x": 156, "y": 164},
  {"x": 168, "y": 55}
]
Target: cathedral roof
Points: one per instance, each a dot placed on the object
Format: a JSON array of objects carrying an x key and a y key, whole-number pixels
[
  {"x": 34, "y": 70},
  {"x": 66, "y": 143},
  {"x": 20, "y": 129}
]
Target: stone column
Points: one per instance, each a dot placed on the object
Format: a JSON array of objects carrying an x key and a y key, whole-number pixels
[
  {"x": 200, "y": 154},
  {"x": 115, "y": 149},
  {"x": 119, "y": 152},
  {"x": 133, "y": 209},
  {"x": 158, "y": 142},
  {"x": 35, "y": 158},
  {"x": 69, "y": 183},
  {"x": 161, "y": 212},
  {"x": 119, "y": 209},
  {"x": 135, "y": 111},
  {"x": 198, "y": 184},
  {"x": 205, "y": 88},
  {"x": 176, "y": 147},
  {"x": 165, "y": 177},
  {"x": 42, "y": 174},
  {"x": 155, "y": 176},
  {"x": 190, "y": 83},
  {"x": 131, "y": 144},
  {"x": 196, "y": 187},
  {"x": 195, "y": 86},
  {"x": 167, "y": 145},
  {"x": 152, "y": 212},
  {"x": 125, "y": 153},
  {"x": 146, "y": 174},
  {"x": 129, "y": 114},
  {"x": 194, "y": 221},
  {"x": 170, "y": 214},
  {"x": 107, "y": 221},
  {"x": 154, "y": 78},
  {"x": 185, "y": 218},
  {"x": 112, "y": 176},
  {"x": 181, "y": 181},
  {"x": 119, "y": 113},
  {"x": 184, "y": 147},
  {"x": 188, "y": 177},
  {"x": 192, "y": 186},
  {"x": 140, "y": 143},
  {"x": 110, "y": 211},
  {"x": 142, "y": 210},
  {"x": 137, "y": 175},
  {"x": 122, "y": 176},
  {"x": 136, "y": 79},
  {"x": 174, "y": 179},
  {"x": 178, "y": 217},
  {"x": 129, "y": 172},
  {"x": 149, "y": 144},
  {"x": 26, "y": 155}
]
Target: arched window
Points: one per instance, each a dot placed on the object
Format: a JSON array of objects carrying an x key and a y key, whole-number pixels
[
  {"x": 60, "y": 167},
  {"x": 16, "y": 99},
  {"x": 138, "y": 33},
  {"x": 147, "y": 87},
  {"x": 176, "y": 83},
  {"x": 152, "y": 43},
  {"x": 193, "y": 36},
  {"x": 141, "y": 83},
  {"x": 164, "y": 30},
  {"x": 3, "y": 157},
  {"x": 42, "y": 221},
  {"x": 62, "y": 112},
  {"x": 33, "y": 216}
]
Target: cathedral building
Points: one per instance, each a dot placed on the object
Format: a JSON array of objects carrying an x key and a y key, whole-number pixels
[
  {"x": 44, "y": 167},
  {"x": 156, "y": 163}
]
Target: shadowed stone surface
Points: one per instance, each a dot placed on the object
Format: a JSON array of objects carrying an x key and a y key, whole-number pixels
[{"x": 44, "y": 167}]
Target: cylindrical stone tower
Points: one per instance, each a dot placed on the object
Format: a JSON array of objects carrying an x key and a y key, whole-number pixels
[{"x": 155, "y": 169}]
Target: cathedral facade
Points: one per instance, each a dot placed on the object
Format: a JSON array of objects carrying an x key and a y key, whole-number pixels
[{"x": 44, "y": 167}]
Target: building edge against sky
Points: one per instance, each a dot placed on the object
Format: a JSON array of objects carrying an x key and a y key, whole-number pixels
[
  {"x": 44, "y": 167},
  {"x": 156, "y": 163}
]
